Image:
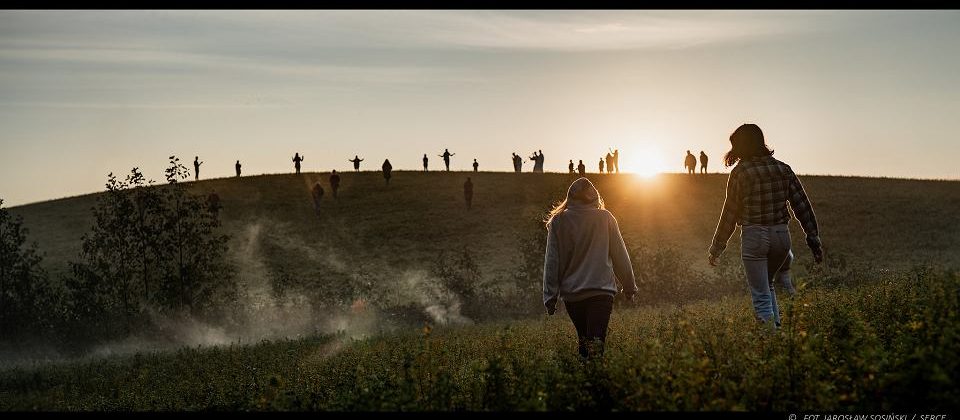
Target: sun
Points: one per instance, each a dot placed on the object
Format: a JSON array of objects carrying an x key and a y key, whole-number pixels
[{"x": 646, "y": 162}]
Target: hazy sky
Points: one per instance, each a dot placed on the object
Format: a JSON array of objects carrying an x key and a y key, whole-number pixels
[{"x": 873, "y": 93}]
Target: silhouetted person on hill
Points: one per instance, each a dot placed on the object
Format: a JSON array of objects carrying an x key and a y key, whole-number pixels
[
  {"x": 581, "y": 168},
  {"x": 446, "y": 158},
  {"x": 296, "y": 161},
  {"x": 196, "y": 168},
  {"x": 537, "y": 159},
  {"x": 517, "y": 162},
  {"x": 237, "y": 166},
  {"x": 585, "y": 259},
  {"x": 703, "y": 162},
  {"x": 616, "y": 161},
  {"x": 334, "y": 182},
  {"x": 356, "y": 163},
  {"x": 317, "y": 194},
  {"x": 601, "y": 165},
  {"x": 758, "y": 190},
  {"x": 609, "y": 159},
  {"x": 690, "y": 162},
  {"x": 425, "y": 160},
  {"x": 468, "y": 192},
  {"x": 570, "y": 167},
  {"x": 213, "y": 203},
  {"x": 387, "y": 168},
  {"x": 475, "y": 166}
]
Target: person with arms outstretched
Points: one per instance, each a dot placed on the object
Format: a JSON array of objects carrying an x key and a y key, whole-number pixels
[
  {"x": 296, "y": 161},
  {"x": 703, "y": 162},
  {"x": 334, "y": 182},
  {"x": 690, "y": 161},
  {"x": 356, "y": 163},
  {"x": 237, "y": 167},
  {"x": 387, "y": 169},
  {"x": 196, "y": 168},
  {"x": 468, "y": 193},
  {"x": 758, "y": 190},
  {"x": 585, "y": 259},
  {"x": 446, "y": 158}
]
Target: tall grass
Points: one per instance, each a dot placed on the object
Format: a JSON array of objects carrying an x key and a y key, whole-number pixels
[{"x": 883, "y": 342}]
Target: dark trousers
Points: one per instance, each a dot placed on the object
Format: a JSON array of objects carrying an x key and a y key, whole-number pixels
[{"x": 591, "y": 317}]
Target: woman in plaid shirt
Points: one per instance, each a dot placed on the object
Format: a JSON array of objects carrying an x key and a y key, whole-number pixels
[{"x": 758, "y": 190}]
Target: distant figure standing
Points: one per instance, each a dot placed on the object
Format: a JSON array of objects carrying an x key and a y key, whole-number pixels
[
  {"x": 334, "y": 182},
  {"x": 609, "y": 158},
  {"x": 570, "y": 167},
  {"x": 758, "y": 190},
  {"x": 690, "y": 162},
  {"x": 517, "y": 162},
  {"x": 296, "y": 161},
  {"x": 317, "y": 194},
  {"x": 425, "y": 161},
  {"x": 537, "y": 159},
  {"x": 468, "y": 192},
  {"x": 703, "y": 162},
  {"x": 616, "y": 161},
  {"x": 387, "y": 168},
  {"x": 356, "y": 163},
  {"x": 213, "y": 203},
  {"x": 196, "y": 168},
  {"x": 237, "y": 166},
  {"x": 446, "y": 158},
  {"x": 475, "y": 166},
  {"x": 582, "y": 169},
  {"x": 601, "y": 165},
  {"x": 585, "y": 259}
]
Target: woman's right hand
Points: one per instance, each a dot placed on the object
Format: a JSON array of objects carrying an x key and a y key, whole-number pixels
[{"x": 817, "y": 255}]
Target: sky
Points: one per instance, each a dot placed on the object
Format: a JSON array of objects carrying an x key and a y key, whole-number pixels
[{"x": 86, "y": 93}]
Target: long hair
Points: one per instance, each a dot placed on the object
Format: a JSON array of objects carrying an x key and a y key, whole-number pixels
[
  {"x": 580, "y": 191},
  {"x": 746, "y": 141}
]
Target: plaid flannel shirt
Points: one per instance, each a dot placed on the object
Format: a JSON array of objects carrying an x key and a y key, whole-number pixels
[{"x": 758, "y": 190}]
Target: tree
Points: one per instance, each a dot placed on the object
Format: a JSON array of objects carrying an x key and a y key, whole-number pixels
[
  {"x": 197, "y": 276},
  {"x": 105, "y": 295},
  {"x": 23, "y": 283},
  {"x": 151, "y": 249}
]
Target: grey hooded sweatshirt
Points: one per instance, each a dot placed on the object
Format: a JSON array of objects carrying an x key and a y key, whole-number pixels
[{"x": 585, "y": 256}]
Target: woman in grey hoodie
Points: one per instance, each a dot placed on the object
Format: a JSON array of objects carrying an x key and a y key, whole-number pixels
[{"x": 585, "y": 257}]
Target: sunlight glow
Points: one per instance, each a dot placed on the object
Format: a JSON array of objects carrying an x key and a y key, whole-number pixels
[{"x": 644, "y": 162}]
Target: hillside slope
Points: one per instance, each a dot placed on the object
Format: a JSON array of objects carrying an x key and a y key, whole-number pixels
[{"x": 379, "y": 231}]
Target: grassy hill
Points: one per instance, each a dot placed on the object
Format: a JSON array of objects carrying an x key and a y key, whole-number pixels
[{"x": 381, "y": 231}]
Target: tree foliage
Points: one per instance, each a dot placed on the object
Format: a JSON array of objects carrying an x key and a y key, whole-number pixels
[
  {"x": 24, "y": 298},
  {"x": 151, "y": 250}
]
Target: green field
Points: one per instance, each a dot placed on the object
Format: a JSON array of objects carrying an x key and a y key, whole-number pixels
[{"x": 874, "y": 328}]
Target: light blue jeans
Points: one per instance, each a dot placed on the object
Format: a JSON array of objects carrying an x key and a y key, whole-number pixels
[{"x": 766, "y": 257}]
